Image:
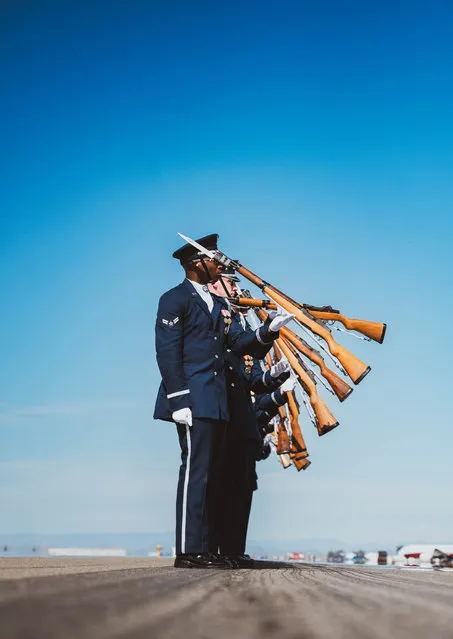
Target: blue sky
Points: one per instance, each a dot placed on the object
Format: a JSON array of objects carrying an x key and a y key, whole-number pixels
[{"x": 317, "y": 141}]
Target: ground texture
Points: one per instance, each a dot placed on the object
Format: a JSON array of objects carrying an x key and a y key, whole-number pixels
[{"x": 147, "y": 598}]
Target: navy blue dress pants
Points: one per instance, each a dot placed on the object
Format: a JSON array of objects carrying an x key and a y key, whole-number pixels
[
  {"x": 200, "y": 475},
  {"x": 236, "y": 492}
]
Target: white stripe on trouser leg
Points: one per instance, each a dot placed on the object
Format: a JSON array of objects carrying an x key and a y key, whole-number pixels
[{"x": 184, "y": 494}]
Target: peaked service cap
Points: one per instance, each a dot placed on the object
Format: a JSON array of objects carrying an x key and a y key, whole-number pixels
[
  {"x": 230, "y": 273},
  {"x": 187, "y": 253}
]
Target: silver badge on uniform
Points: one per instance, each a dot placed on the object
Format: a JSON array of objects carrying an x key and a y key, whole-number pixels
[
  {"x": 170, "y": 323},
  {"x": 226, "y": 319}
]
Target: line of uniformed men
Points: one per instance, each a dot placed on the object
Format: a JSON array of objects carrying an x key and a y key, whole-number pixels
[{"x": 205, "y": 390}]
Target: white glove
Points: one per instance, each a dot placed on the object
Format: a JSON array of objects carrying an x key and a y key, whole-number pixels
[
  {"x": 182, "y": 416},
  {"x": 280, "y": 367},
  {"x": 288, "y": 384},
  {"x": 279, "y": 319}
]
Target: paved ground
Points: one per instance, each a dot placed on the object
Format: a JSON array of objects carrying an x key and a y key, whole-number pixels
[{"x": 147, "y": 598}]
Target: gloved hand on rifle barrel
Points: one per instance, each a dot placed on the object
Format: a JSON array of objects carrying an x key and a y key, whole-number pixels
[
  {"x": 288, "y": 385},
  {"x": 279, "y": 368},
  {"x": 279, "y": 319}
]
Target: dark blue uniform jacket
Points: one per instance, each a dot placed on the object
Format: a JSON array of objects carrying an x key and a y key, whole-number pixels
[
  {"x": 243, "y": 419},
  {"x": 191, "y": 344}
]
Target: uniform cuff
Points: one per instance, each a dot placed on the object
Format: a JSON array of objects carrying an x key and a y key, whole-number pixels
[
  {"x": 278, "y": 398},
  {"x": 178, "y": 393},
  {"x": 262, "y": 333}
]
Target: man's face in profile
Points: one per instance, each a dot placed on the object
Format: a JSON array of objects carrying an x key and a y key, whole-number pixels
[{"x": 218, "y": 289}]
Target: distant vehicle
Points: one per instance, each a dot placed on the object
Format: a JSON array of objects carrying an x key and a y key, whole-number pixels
[
  {"x": 382, "y": 558},
  {"x": 296, "y": 556},
  {"x": 441, "y": 559},
  {"x": 336, "y": 556},
  {"x": 359, "y": 557}
]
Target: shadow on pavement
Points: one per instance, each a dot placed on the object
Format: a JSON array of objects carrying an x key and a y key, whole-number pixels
[{"x": 262, "y": 565}]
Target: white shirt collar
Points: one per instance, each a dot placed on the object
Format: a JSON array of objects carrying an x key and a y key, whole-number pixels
[
  {"x": 203, "y": 292},
  {"x": 200, "y": 288}
]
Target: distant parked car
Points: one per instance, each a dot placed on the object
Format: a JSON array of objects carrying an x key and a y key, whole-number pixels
[{"x": 359, "y": 557}]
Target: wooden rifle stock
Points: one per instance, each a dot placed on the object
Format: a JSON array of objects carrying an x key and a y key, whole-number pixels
[
  {"x": 285, "y": 461},
  {"x": 283, "y": 444},
  {"x": 298, "y": 446},
  {"x": 325, "y": 421},
  {"x": 373, "y": 330},
  {"x": 301, "y": 463},
  {"x": 355, "y": 368},
  {"x": 341, "y": 389}
]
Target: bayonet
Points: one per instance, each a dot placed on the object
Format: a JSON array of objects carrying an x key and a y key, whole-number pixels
[{"x": 200, "y": 248}]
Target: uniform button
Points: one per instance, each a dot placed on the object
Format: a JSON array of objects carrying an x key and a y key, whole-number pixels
[
  {"x": 231, "y": 368},
  {"x": 215, "y": 337},
  {"x": 232, "y": 384},
  {"x": 215, "y": 372},
  {"x": 228, "y": 350},
  {"x": 216, "y": 356}
]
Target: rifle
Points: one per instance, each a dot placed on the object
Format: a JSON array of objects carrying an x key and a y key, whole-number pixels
[
  {"x": 298, "y": 446},
  {"x": 355, "y": 368},
  {"x": 341, "y": 388},
  {"x": 284, "y": 445},
  {"x": 372, "y": 330}
]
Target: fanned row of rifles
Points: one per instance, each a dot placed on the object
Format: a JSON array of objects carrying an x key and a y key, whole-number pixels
[{"x": 318, "y": 323}]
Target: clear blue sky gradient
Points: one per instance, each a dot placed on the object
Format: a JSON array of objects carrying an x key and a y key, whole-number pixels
[{"x": 318, "y": 142}]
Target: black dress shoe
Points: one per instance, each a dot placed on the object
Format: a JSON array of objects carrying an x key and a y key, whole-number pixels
[
  {"x": 229, "y": 559},
  {"x": 202, "y": 560},
  {"x": 242, "y": 561}
]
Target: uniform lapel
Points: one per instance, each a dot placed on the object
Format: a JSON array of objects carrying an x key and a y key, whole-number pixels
[
  {"x": 197, "y": 298},
  {"x": 216, "y": 310}
]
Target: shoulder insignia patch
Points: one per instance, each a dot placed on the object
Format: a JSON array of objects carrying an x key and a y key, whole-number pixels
[{"x": 170, "y": 323}]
